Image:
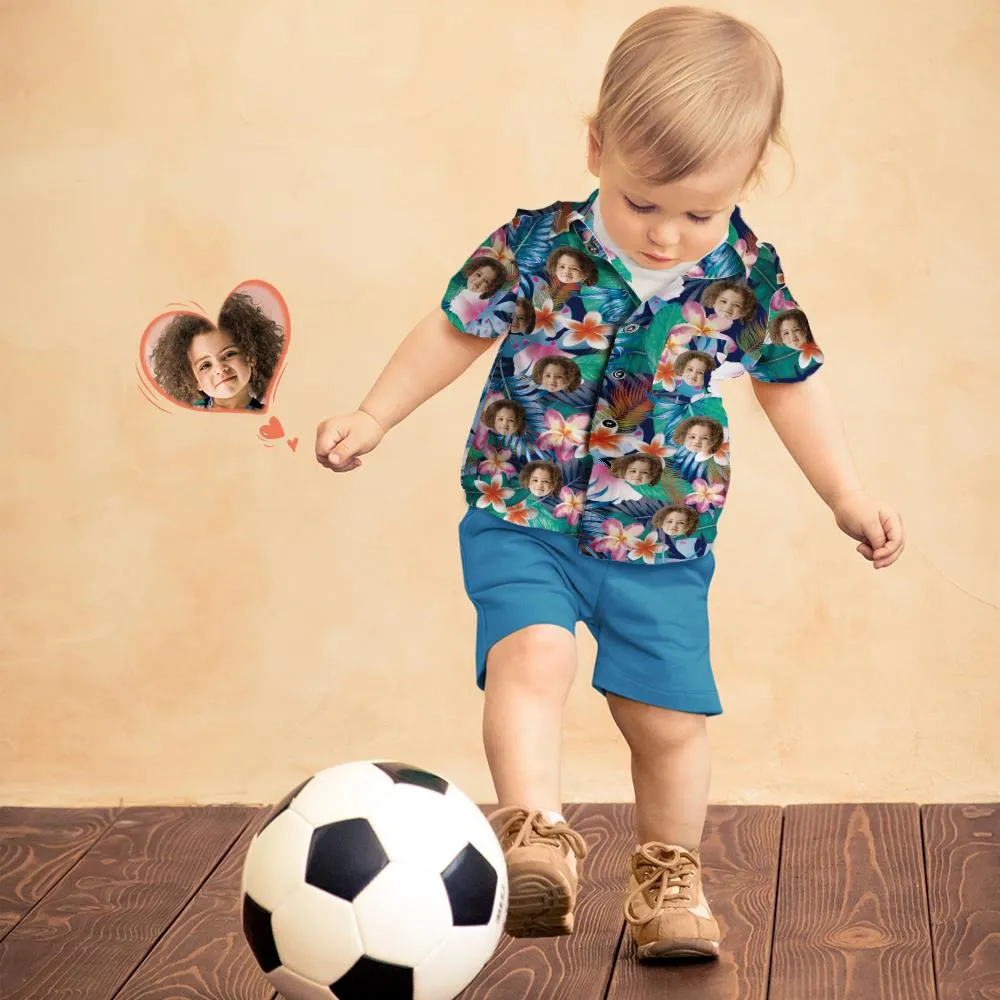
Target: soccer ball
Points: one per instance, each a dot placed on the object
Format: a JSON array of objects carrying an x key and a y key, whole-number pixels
[{"x": 374, "y": 880}]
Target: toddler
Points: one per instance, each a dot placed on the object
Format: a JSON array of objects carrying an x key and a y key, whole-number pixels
[{"x": 689, "y": 104}]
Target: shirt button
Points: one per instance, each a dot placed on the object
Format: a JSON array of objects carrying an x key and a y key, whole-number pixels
[
  {"x": 618, "y": 373},
  {"x": 630, "y": 328}
]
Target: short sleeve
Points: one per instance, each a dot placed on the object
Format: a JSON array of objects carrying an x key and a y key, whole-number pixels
[
  {"x": 481, "y": 296},
  {"x": 777, "y": 344}
]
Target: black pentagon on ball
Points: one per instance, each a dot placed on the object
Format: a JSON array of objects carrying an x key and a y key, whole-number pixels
[
  {"x": 369, "y": 979},
  {"x": 471, "y": 883},
  {"x": 260, "y": 937},
  {"x": 344, "y": 857},
  {"x": 405, "y": 774}
]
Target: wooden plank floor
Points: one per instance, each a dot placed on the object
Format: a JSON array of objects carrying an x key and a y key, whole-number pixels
[{"x": 825, "y": 902}]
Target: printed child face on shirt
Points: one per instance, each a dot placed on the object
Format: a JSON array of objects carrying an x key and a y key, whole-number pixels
[
  {"x": 483, "y": 280},
  {"x": 730, "y": 303},
  {"x": 639, "y": 470},
  {"x": 524, "y": 317},
  {"x": 568, "y": 269},
  {"x": 220, "y": 368},
  {"x": 675, "y": 523},
  {"x": 695, "y": 372},
  {"x": 699, "y": 437},
  {"x": 555, "y": 374},
  {"x": 505, "y": 421},
  {"x": 540, "y": 482},
  {"x": 792, "y": 333},
  {"x": 638, "y": 473}
]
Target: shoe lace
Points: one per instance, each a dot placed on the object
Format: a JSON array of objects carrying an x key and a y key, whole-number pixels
[
  {"x": 669, "y": 870},
  {"x": 523, "y": 827}
]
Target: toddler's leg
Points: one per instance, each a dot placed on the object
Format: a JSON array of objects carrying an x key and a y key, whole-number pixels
[
  {"x": 671, "y": 770},
  {"x": 528, "y": 676},
  {"x": 671, "y": 766}
]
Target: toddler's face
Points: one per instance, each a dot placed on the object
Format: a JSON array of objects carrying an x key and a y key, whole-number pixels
[
  {"x": 540, "y": 482},
  {"x": 554, "y": 378},
  {"x": 480, "y": 280},
  {"x": 694, "y": 373},
  {"x": 219, "y": 367},
  {"x": 792, "y": 333},
  {"x": 660, "y": 227},
  {"x": 505, "y": 421},
  {"x": 520, "y": 324},
  {"x": 730, "y": 304},
  {"x": 638, "y": 474},
  {"x": 568, "y": 269},
  {"x": 675, "y": 523},
  {"x": 698, "y": 438}
]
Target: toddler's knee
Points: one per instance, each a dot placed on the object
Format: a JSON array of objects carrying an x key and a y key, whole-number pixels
[
  {"x": 540, "y": 660},
  {"x": 666, "y": 731}
]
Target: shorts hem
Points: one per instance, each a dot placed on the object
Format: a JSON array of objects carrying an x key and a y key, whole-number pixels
[{"x": 697, "y": 702}]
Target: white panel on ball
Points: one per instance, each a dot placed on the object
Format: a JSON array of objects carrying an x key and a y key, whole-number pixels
[
  {"x": 275, "y": 865},
  {"x": 418, "y": 826},
  {"x": 476, "y": 827},
  {"x": 293, "y": 987},
  {"x": 455, "y": 962},
  {"x": 342, "y": 792},
  {"x": 403, "y": 915},
  {"x": 316, "y": 934}
]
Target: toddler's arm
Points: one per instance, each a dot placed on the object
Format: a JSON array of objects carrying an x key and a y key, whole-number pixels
[
  {"x": 807, "y": 420},
  {"x": 431, "y": 356}
]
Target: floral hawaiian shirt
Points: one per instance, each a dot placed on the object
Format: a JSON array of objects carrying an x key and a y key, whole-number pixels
[{"x": 601, "y": 417}]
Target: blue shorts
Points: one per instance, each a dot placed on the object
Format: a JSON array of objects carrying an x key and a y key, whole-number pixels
[{"x": 650, "y": 622}]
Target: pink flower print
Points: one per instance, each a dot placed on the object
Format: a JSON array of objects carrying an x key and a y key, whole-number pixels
[
  {"x": 494, "y": 494},
  {"x": 748, "y": 254},
  {"x": 609, "y": 488},
  {"x": 468, "y": 305},
  {"x": 531, "y": 353},
  {"x": 617, "y": 539},
  {"x": 658, "y": 447},
  {"x": 496, "y": 462},
  {"x": 705, "y": 495},
  {"x": 570, "y": 505},
  {"x": 589, "y": 331},
  {"x": 810, "y": 352},
  {"x": 698, "y": 325},
  {"x": 695, "y": 272},
  {"x": 563, "y": 434},
  {"x": 781, "y": 300},
  {"x": 520, "y": 514},
  {"x": 646, "y": 548},
  {"x": 546, "y": 317}
]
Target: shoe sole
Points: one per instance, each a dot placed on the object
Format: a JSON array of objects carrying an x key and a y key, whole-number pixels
[
  {"x": 540, "y": 904},
  {"x": 662, "y": 950}
]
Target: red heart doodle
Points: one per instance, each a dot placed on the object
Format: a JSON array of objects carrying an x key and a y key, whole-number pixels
[
  {"x": 201, "y": 363},
  {"x": 292, "y": 443},
  {"x": 271, "y": 431}
]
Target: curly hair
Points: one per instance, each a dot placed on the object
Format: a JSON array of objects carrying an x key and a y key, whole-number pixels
[
  {"x": 490, "y": 413},
  {"x": 715, "y": 289},
  {"x": 774, "y": 326},
  {"x": 259, "y": 337},
  {"x": 588, "y": 267},
  {"x": 690, "y": 518},
  {"x": 170, "y": 362},
  {"x": 499, "y": 273},
  {"x": 688, "y": 356},
  {"x": 620, "y": 466},
  {"x": 718, "y": 434},
  {"x": 568, "y": 365},
  {"x": 550, "y": 467}
]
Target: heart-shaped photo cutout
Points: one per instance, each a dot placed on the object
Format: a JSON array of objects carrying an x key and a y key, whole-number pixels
[{"x": 228, "y": 365}]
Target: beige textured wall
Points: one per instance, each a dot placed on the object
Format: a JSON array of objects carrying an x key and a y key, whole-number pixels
[{"x": 190, "y": 616}]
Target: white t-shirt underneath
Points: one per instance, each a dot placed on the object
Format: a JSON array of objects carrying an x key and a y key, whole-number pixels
[{"x": 646, "y": 281}]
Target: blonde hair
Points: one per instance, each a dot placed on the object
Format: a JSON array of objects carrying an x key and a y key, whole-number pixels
[{"x": 683, "y": 88}]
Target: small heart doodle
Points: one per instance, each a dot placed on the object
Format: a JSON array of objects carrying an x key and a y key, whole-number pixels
[
  {"x": 292, "y": 443},
  {"x": 228, "y": 365},
  {"x": 271, "y": 431}
]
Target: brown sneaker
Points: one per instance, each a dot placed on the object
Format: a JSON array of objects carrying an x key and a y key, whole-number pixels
[
  {"x": 541, "y": 871},
  {"x": 666, "y": 907}
]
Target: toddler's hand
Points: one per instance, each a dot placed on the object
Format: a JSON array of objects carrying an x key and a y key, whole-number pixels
[
  {"x": 877, "y": 527},
  {"x": 341, "y": 440}
]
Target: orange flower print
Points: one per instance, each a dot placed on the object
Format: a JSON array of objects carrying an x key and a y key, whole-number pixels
[
  {"x": 610, "y": 442},
  {"x": 563, "y": 435},
  {"x": 808, "y": 353},
  {"x": 520, "y": 514},
  {"x": 665, "y": 372},
  {"x": 646, "y": 548},
  {"x": 546, "y": 317},
  {"x": 570, "y": 505},
  {"x": 494, "y": 494},
  {"x": 589, "y": 331},
  {"x": 658, "y": 447}
]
